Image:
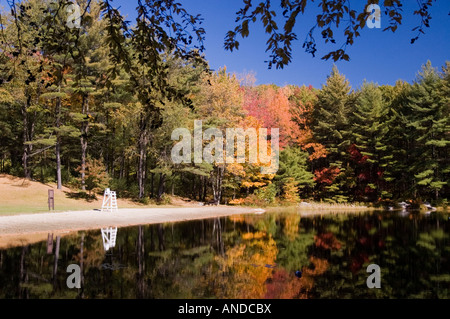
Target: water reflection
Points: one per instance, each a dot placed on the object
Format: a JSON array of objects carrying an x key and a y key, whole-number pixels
[
  {"x": 109, "y": 236},
  {"x": 248, "y": 256}
]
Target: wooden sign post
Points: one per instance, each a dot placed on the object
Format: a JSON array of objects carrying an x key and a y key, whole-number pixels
[{"x": 51, "y": 199}]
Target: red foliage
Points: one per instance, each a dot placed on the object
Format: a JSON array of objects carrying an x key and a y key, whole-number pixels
[
  {"x": 326, "y": 175},
  {"x": 356, "y": 155},
  {"x": 327, "y": 241},
  {"x": 288, "y": 109},
  {"x": 358, "y": 261},
  {"x": 270, "y": 105}
]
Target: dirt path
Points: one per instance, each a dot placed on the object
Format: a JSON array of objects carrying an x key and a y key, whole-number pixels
[{"x": 22, "y": 229}]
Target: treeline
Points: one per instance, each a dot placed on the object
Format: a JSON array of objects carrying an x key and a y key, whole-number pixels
[{"x": 92, "y": 108}]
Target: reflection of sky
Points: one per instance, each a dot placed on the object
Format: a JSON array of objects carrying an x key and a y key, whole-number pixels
[{"x": 377, "y": 56}]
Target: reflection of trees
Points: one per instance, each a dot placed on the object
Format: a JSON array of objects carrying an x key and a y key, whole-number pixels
[
  {"x": 140, "y": 252},
  {"x": 285, "y": 285},
  {"x": 410, "y": 251},
  {"x": 418, "y": 265},
  {"x": 243, "y": 271},
  {"x": 249, "y": 256}
]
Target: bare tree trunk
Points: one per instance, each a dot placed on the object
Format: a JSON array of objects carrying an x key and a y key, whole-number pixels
[
  {"x": 143, "y": 142},
  {"x": 83, "y": 140},
  {"x": 194, "y": 184},
  {"x": 27, "y": 135},
  {"x": 122, "y": 166},
  {"x": 173, "y": 187},
  {"x": 151, "y": 185},
  {"x": 162, "y": 185},
  {"x": 217, "y": 179},
  {"x": 26, "y": 171},
  {"x": 205, "y": 188},
  {"x": 200, "y": 188},
  {"x": 58, "y": 143}
]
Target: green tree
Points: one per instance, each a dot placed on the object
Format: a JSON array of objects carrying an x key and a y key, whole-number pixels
[
  {"x": 430, "y": 121},
  {"x": 370, "y": 130},
  {"x": 332, "y": 130},
  {"x": 293, "y": 172}
]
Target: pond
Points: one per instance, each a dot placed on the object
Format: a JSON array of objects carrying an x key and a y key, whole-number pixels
[{"x": 270, "y": 255}]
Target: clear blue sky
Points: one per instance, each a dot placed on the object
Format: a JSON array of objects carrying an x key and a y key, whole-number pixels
[
  {"x": 378, "y": 56},
  {"x": 381, "y": 57}
]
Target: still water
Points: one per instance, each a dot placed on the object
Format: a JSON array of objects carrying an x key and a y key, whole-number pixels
[{"x": 245, "y": 256}]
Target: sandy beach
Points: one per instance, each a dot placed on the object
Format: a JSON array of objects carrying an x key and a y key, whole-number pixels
[{"x": 27, "y": 228}]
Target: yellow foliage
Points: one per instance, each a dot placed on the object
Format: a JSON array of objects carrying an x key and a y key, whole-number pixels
[
  {"x": 257, "y": 235},
  {"x": 244, "y": 268},
  {"x": 291, "y": 223},
  {"x": 237, "y": 201}
]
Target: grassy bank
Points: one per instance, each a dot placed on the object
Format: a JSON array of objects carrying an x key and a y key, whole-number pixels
[{"x": 19, "y": 195}]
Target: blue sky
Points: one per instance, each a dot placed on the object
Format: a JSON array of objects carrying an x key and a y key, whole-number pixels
[{"x": 381, "y": 57}]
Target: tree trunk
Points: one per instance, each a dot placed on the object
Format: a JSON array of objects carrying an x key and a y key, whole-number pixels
[
  {"x": 27, "y": 135},
  {"x": 58, "y": 144},
  {"x": 162, "y": 185},
  {"x": 217, "y": 183},
  {"x": 84, "y": 142},
  {"x": 205, "y": 188},
  {"x": 173, "y": 187},
  {"x": 143, "y": 141},
  {"x": 152, "y": 195},
  {"x": 26, "y": 171}
]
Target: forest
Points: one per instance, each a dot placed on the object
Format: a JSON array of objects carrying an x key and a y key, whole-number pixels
[{"x": 95, "y": 107}]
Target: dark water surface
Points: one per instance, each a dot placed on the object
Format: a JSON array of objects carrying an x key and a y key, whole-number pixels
[{"x": 245, "y": 256}]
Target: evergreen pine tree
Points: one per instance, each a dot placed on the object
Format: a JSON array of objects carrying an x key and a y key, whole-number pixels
[
  {"x": 430, "y": 121},
  {"x": 370, "y": 130},
  {"x": 331, "y": 129}
]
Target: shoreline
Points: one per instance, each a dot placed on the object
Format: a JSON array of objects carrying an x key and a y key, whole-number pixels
[{"x": 27, "y": 228}]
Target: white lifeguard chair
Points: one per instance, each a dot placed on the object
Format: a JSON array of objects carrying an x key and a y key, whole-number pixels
[
  {"x": 109, "y": 236},
  {"x": 109, "y": 201}
]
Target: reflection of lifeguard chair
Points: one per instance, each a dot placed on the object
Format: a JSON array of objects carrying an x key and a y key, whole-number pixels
[
  {"x": 109, "y": 201},
  {"x": 109, "y": 236}
]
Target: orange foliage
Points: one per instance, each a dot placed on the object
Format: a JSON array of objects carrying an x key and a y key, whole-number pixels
[
  {"x": 327, "y": 241},
  {"x": 286, "y": 285},
  {"x": 326, "y": 175},
  {"x": 291, "y": 223},
  {"x": 270, "y": 105},
  {"x": 302, "y": 106},
  {"x": 237, "y": 201},
  {"x": 244, "y": 267}
]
